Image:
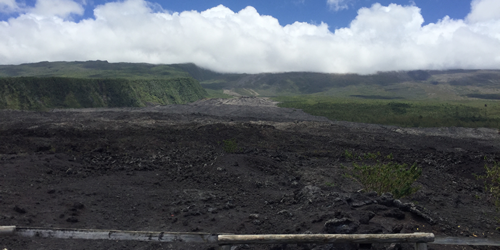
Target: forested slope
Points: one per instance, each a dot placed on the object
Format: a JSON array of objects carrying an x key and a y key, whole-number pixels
[{"x": 38, "y": 93}]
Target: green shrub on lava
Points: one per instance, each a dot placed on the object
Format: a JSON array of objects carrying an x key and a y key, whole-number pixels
[
  {"x": 492, "y": 182},
  {"x": 230, "y": 146},
  {"x": 388, "y": 177}
]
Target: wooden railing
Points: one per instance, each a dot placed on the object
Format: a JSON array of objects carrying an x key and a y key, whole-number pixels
[
  {"x": 225, "y": 241},
  {"x": 419, "y": 239}
]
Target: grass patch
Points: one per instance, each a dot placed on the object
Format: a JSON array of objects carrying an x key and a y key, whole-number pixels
[
  {"x": 485, "y": 96},
  {"x": 217, "y": 94},
  {"x": 377, "y": 97},
  {"x": 388, "y": 177},
  {"x": 230, "y": 146},
  {"x": 408, "y": 113},
  {"x": 492, "y": 182},
  {"x": 385, "y": 175}
]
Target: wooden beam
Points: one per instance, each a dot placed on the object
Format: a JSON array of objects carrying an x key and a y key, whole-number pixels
[
  {"x": 325, "y": 238},
  {"x": 96, "y": 234},
  {"x": 440, "y": 240}
]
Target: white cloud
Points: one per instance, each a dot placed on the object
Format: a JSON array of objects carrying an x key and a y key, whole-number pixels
[
  {"x": 44, "y": 8},
  {"x": 484, "y": 10},
  {"x": 337, "y": 5},
  {"x": 380, "y": 38},
  {"x": 8, "y": 6},
  {"x": 59, "y": 8}
]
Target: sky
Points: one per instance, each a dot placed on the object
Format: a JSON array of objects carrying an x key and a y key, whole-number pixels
[{"x": 330, "y": 36}]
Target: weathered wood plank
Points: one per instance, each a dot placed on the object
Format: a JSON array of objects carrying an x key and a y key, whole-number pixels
[
  {"x": 325, "y": 238},
  {"x": 242, "y": 239},
  {"x": 116, "y": 235},
  {"x": 6, "y": 230},
  {"x": 439, "y": 240}
]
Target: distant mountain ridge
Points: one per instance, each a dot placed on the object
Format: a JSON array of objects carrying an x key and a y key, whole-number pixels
[{"x": 417, "y": 84}]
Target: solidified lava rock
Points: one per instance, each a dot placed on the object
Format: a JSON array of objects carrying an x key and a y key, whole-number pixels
[
  {"x": 366, "y": 216},
  {"x": 78, "y": 205},
  {"x": 72, "y": 219},
  {"x": 19, "y": 209},
  {"x": 341, "y": 226},
  {"x": 395, "y": 213},
  {"x": 160, "y": 171}
]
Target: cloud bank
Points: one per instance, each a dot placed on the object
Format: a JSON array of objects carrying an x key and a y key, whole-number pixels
[{"x": 380, "y": 38}]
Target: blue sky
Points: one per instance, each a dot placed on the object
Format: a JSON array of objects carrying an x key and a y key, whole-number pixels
[
  {"x": 317, "y": 11},
  {"x": 338, "y": 36},
  {"x": 290, "y": 11}
]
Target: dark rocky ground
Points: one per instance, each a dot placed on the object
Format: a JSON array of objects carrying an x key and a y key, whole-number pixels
[{"x": 165, "y": 169}]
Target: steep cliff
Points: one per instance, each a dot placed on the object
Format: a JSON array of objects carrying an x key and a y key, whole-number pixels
[{"x": 38, "y": 93}]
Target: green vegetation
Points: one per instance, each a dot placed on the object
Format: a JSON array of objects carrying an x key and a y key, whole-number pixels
[
  {"x": 93, "y": 69},
  {"x": 404, "y": 98},
  {"x": 377, "y": 97},
  {"x": 492, "y": 182},
  {"x": 388, "y": 177},
  {"x": 39, "y": 93},
  {"x": 217, "y": 94},
  {"x": 38, "y": 86},
  {"x": 330, "y": 184},
  {"x": 485, "y": 96},
  {"x": 367, "y": 156},
  {"x": 415, "y": 113},
  {"x": 385, "y": 175},
  {"x": 230, "y": 146},
  {"x": 395, "y": 85}
]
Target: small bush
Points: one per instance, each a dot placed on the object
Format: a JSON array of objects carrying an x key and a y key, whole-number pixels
[
  {"x": 349, "y": 155},
  {"x": 492, "y": 182},
  {"x": 388, "y": 177},
  {"x": 330, "y": 184},
  {"x": 230, "y": 146}
]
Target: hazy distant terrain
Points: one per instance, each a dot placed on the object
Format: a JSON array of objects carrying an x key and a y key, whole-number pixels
[
  {"x": 420, "y": 98},
  {"x": 420, "y": 84}
]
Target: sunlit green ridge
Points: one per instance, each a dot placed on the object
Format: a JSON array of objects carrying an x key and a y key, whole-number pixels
[{"x": 94, "y": 84}]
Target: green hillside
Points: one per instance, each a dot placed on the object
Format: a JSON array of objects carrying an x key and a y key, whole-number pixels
[
  {"x": 93, "y": 69},
  {"x": 38, "y": 86},
  {"x": 38, "y": 93},
  {"x": 135, "y": 84}
]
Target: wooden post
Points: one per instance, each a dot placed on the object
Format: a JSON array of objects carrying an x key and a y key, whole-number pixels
[{"x": 420, "y": 246}]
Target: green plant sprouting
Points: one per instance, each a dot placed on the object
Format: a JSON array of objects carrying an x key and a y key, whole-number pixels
[
  {"x": 388, "y": 177},
  {"x": 330, "y": 184},
  {"x": 492, "y": 182},
  {"x": 367, "y": 156},
  {"x": 230, "y": 146}
]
